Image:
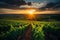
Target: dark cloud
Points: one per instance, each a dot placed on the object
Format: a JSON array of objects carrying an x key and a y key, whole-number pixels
[
  {"x": 11, "y": 3},
  {"x": 53, "y": 5}
]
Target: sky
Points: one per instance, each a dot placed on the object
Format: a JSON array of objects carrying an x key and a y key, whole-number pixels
[
  {"x": 41, "y": 0},
  {"x": 10, "y": 8}
]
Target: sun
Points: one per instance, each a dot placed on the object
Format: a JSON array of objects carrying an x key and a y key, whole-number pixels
[
  {"x": 31, "y": 11},
  {"x": 31, "y": 14}
]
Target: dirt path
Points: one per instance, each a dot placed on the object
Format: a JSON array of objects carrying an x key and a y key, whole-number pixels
[{"x": 27, "y": 35}]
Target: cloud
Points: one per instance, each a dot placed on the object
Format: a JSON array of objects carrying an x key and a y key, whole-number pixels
[
  {"x": 44, "y": 4},
  {"x": 34, "y": 5}
]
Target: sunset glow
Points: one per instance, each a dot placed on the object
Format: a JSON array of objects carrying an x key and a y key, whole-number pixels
[{"x": 27, "y": 11}]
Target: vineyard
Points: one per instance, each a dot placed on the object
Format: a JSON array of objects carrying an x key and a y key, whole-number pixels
[{"x": 29, "y": 30}]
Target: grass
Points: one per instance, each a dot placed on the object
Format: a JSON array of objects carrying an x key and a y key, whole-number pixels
[{"x": 11, "y": 29}]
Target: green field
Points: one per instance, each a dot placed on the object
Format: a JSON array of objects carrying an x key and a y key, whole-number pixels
[{"x": 39, "y": 30}]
